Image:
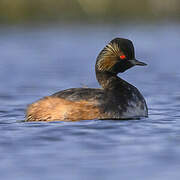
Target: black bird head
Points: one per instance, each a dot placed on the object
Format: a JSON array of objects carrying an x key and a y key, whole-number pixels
[{"x": 117, "y": 56}]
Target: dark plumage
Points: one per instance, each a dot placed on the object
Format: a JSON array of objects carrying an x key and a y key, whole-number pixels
[{"x": 116, "y": 100}]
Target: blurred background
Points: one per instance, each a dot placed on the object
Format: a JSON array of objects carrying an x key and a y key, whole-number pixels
[
  {"x": 104, "y": 11},
  {"x": 50, "y": 45}
]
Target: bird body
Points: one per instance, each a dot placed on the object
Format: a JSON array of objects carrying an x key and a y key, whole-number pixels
[{"x": 117, "y": 99}]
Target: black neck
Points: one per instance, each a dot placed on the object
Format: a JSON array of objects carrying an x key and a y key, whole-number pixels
[{"x": 107, "y": 79}]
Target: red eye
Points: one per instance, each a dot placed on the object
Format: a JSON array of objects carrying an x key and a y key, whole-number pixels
[{"x": 123, "y": 56}]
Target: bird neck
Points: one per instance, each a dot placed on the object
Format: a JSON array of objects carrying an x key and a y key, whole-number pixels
[{"x": 107, "y": 79}]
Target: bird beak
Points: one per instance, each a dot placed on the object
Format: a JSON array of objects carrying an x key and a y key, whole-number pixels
[{"x": 138, "y": 63}]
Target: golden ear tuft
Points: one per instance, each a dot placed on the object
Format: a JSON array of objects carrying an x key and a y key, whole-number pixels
[
  {"x": 113, "y": 49},
  {"x": 108, "y": 57},
  {"x": 107, "y": 63}
]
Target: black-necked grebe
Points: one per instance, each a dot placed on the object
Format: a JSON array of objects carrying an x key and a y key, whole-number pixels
[{"x": 117, "y": 99}]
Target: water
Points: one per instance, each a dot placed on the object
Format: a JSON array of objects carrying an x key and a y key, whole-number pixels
[{"x": 38, "y": 61}]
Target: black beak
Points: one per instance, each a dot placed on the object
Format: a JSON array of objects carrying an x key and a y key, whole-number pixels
[{"x": 136, "y": 62}]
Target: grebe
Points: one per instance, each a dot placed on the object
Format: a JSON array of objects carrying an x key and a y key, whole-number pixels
[{"x": 117, "y": 99}]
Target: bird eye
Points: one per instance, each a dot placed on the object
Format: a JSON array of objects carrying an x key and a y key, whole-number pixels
[{"x": 122, "y": 56}]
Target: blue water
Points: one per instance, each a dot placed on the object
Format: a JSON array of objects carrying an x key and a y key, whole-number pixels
[{"x": 38, "y": 61}]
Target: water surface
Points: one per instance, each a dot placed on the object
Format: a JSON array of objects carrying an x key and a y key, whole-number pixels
[{"x": 38, "y": 61}]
